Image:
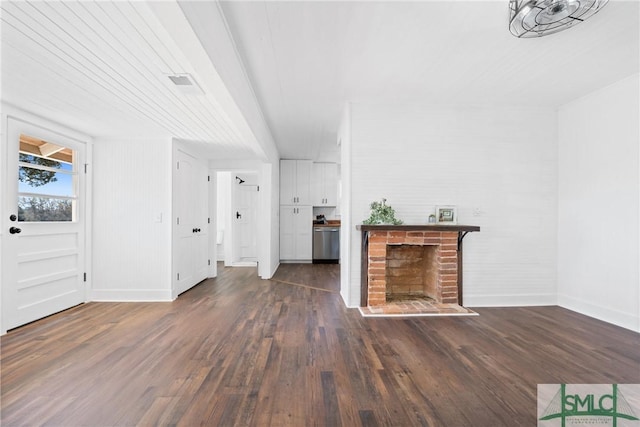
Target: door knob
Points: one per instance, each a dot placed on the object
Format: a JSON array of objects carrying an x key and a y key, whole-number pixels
[
  {"x": 14, "y": 230},
  {"x": 12, "y": 217},
  {"x": 197, "y": 230},
  {"x": 238, "y": 215}
]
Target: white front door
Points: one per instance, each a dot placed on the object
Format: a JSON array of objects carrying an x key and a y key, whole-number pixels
[
  {"x": 191, "y": 222},
  {"x": 43, "y": 264},
  {"x": 244, "y": 219}
]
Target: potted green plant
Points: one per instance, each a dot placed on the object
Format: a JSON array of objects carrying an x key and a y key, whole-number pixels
[{"x": 381, "y": 213}]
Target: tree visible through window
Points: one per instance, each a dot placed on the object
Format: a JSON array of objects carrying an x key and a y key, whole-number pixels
[
  {"x": 45, "y": 181},
  {"x": 37, "y": 177}
]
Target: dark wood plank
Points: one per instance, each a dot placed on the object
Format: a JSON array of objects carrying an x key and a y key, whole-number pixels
[{"x": 237, "y": 350}]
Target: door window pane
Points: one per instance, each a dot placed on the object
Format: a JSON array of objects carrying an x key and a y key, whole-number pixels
[
  {"x": 32, "y": 209},
  {"x": 44, "y": 162},
  {"x": 47, "y": 181}
]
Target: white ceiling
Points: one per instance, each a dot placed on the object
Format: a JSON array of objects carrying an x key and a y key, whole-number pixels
[
  {"x": 306, "y": 59},
  {"x": 101, "y": 67}
]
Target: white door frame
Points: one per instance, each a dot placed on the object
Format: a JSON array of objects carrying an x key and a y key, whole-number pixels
[
  {"x": 228, "y": 242},
  {"x": 9, "y": 111},
  {"x": 235, "y": 261},
  {"x": 268, "y": 209}
]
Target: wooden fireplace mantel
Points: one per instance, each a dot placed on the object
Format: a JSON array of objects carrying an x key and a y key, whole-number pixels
[
  {"x": 461, "y": 230},
  {"x": 417, "y": 227}
]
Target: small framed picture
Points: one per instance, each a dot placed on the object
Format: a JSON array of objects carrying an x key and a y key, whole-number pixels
[{"x": 446, "y": 215}]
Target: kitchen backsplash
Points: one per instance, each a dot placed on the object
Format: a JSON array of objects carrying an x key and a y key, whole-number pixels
[{"x": 329, "y": 213}]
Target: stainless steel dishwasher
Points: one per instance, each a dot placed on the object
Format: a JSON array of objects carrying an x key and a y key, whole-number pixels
[{"x": 326, "y": 244}]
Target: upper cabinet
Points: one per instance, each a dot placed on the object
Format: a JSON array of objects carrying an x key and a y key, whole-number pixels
[
  {"x": 324, "y": 184},
  {"x": 295, "y": 182}
]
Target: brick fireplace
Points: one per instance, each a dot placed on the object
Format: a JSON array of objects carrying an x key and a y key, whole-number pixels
[{"x": 408, "y": 263}]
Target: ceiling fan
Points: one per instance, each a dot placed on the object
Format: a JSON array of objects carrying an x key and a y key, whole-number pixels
[{"x": 537, "y": 18}]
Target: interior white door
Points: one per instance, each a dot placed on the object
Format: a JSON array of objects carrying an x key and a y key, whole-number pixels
[
  {"x": 43, "y": 264},
  {"x": 191, "y": 222},
  {"x": 244, "y": 218}
]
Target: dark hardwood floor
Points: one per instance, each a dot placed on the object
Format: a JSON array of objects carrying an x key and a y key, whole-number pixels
[{"x": 237, "y": 350}]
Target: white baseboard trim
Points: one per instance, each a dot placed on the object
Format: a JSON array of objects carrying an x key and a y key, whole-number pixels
[
  {"x": 346, "y": 301},
  {"x": 130, "y": 295},
  {"x": 271, "y": 273},
  {"x": 606, "y": 314},
  {"x": 244, "y": 264},
  {"x": 521, "y": 300}
]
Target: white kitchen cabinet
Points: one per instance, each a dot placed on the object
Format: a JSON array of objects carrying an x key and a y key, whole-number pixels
[
  {"x": 324, "y": 183},
  {"x": 295, "y": 182},
  {"x": 296, "y": 226}
]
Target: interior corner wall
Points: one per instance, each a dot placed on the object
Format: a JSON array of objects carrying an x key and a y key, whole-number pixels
[
  {"x": 131, "y": 220},
  {"x": 269, "y": 223},
  {"x": 347, "y": 288},
  {"x": 272, "y": 174},
  {"x": 599, "y": 199},
  {"x": 497, "y": 165}
]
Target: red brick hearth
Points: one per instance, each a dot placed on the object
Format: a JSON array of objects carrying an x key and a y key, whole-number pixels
[{"x": 412, "y": 269}]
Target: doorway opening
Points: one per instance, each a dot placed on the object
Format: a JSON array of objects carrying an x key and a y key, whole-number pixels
[{"x": 237, "y": 206}]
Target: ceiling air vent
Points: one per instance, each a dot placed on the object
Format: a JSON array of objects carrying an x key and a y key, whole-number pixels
[{"x": 186, "y": 84}]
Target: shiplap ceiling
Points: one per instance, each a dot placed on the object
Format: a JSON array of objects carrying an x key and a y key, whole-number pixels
[
  {"x": 102, "y": 68},
  {"x": 306, "y": 59}
]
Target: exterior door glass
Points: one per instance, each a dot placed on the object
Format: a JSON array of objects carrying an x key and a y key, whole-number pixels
[{"x": 47, "y": 181}]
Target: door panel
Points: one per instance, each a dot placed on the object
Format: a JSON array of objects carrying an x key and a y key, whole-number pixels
[
  {"x": 295, "y": 233},
  {"x": 244, "y": 222},
  {"x": 44, "y": 264},
  {"x": 200, "y": 216},
  {"x": 303, "y": 181},
  {"x": 191, "y": 202},
  {"x": 287, "y": 233},
  {"x": 185, "y": 222},
  {"x": 317, "y": 184},
  {"x": 304, "y": 229}
]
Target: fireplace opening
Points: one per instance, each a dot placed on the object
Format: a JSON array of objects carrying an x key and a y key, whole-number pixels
[{"x": 411, "y": 273}]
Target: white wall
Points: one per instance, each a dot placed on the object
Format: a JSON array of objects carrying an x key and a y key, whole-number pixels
[
  {"x": 499, "y": 162},
  {"x": 598, "y": 212},
  {"x": 132, "y": 220},
  {"x": 223, "y": 207},
  {"x": 349, "y": 291},
  {"x": 270, "y": 225}
]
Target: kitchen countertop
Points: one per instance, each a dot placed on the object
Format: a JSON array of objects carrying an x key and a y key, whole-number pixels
[{"x": 330, "y": 223}]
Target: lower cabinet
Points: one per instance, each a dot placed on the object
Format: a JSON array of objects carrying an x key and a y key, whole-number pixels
[{"x": 296, "y": 233}]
